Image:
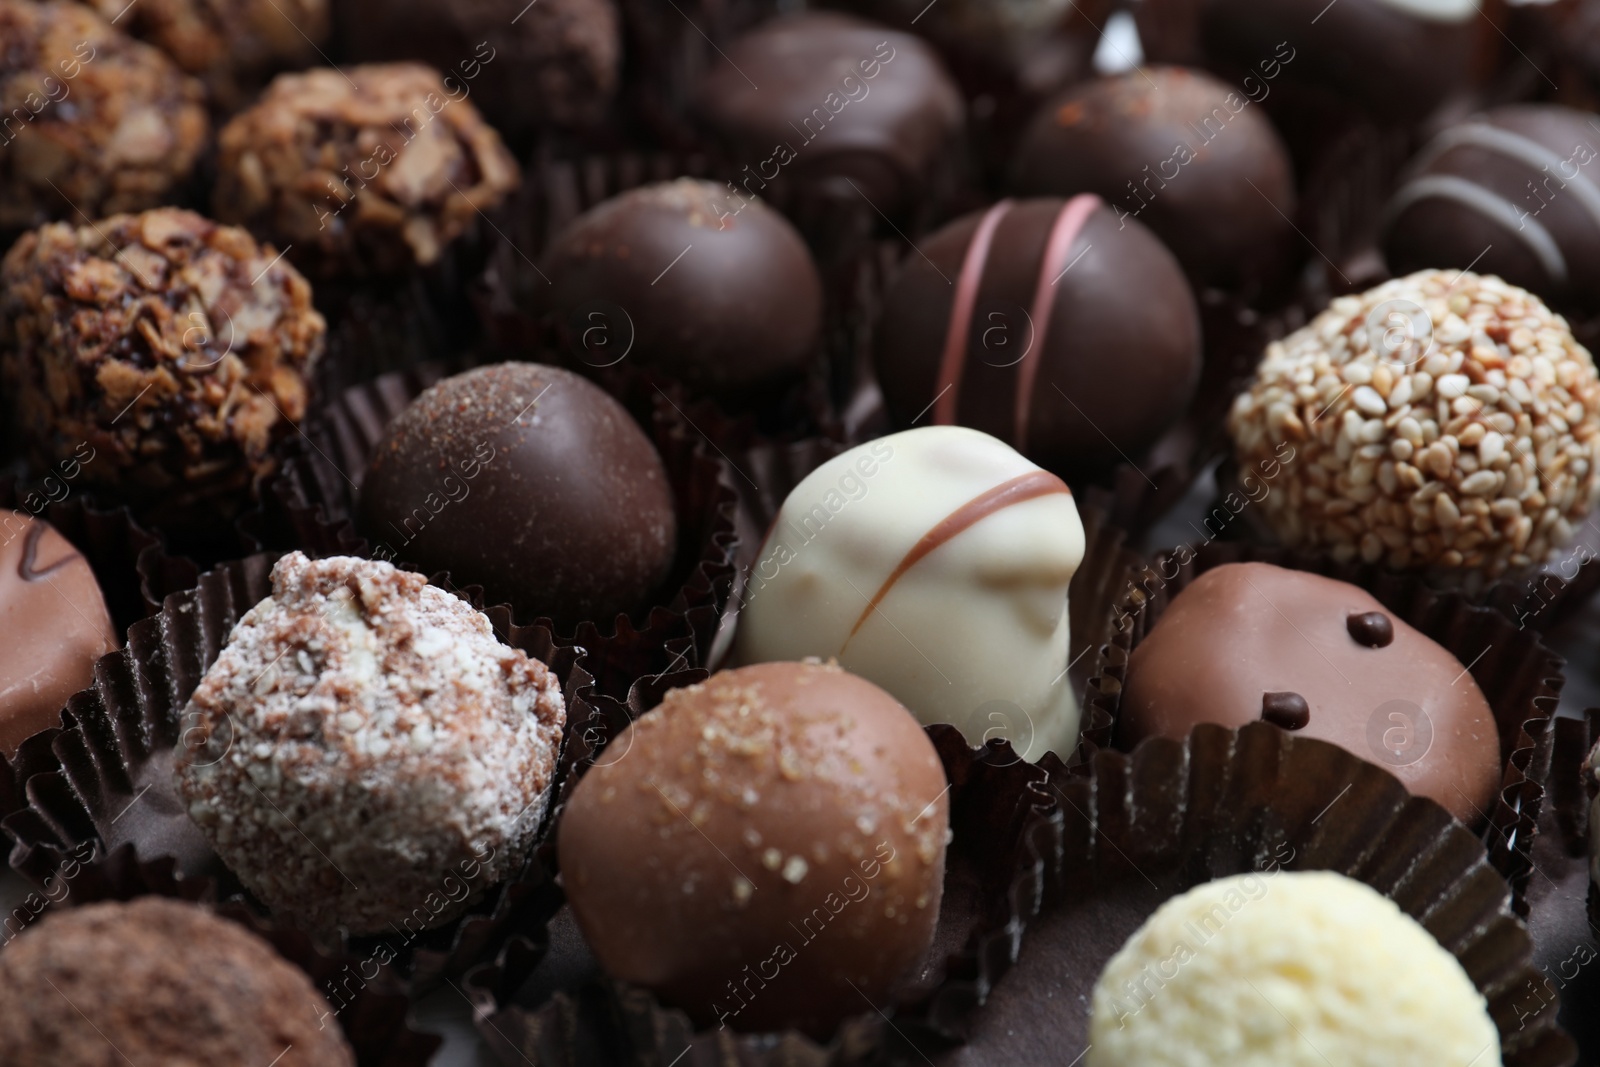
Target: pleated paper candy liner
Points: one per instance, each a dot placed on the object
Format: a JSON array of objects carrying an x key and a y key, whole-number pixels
[
  {"x": 373, "y": 1012},
  {"x": 1519, "y": 675},
  {"x": 110, "y": 782}
]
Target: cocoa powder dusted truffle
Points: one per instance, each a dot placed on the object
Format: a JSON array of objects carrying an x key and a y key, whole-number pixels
[
  {"x": 177, "y": 349},
  {"x": 158, "y": 981},
  {"x": 1442, "y": 419},
  {"x": 368, "y": 170},
  {"x": 92, "y": 122},
  {"x": 365, "y": 752},
  {"x": 764, "y": 849}
]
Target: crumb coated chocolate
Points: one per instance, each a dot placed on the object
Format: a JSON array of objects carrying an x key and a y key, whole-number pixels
[
  {"x": 233, "y": 46},
  {"x": 56, "y": 626},
  {"x": 364, "y": 747},
  {"x": 158, "y": 981},
  {"x": 764, "y": 849},
  {"x": 531, "y": 482},
  {"x": 555, "y": 62},
  {"x": 1249, "y": 641},
  {"x": 368, "y": 170},
  {"x": 177, "y": 349},
  {"x": 720, "y": 292},
  {"x": 92, "y": 122}
]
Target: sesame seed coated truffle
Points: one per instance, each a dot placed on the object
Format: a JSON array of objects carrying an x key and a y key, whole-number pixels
[
  {"x": 1443, "y": 419},
  {"x": 364, "y": 745}
]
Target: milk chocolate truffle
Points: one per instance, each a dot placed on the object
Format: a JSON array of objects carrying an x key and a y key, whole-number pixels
[
  {"x": 1444, "y": 419},
  {"x": 56, "y": 626},
  {"x": 553, "y": 63},
  {"x": 531, "y": 482},
  {"x": 1293, "y": 969},
  {"x": 763, "y": 850},
  {"x": 177, "y": 350},
  {"x": 717, "y": 291},
  {"x": 364, "y": 752},
  {"x": 92, "y": 122},
  {"x": 1185, "y": 154},
  {"x": 370, "y": 170},
  {"x": 158, "y": 981},
  {"x": 1054, "y": 325},
  {"x": 934, "y": 563},
  {"x": 1510, "y": 192},
  {"x": 233, "y": 46},
  {"x": 806, "y": 115},
  {"x": 1248, "y": 641}
]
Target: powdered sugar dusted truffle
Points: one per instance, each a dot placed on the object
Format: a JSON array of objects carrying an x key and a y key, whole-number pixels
[
  {"x": 1445, "y": 418},
  {"x": 364, "y": 744}
]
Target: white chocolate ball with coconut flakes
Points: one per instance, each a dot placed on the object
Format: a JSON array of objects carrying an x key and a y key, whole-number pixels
[
  {"x": 365, "y": 752},
  {"x": 1290, "y": 969},
  {"x": 1444, "y": 419}
]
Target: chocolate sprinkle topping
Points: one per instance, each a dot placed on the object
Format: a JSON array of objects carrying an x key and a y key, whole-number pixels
[
  {"x": 1288, "y": 710},
  {"x": 1370, "y": 628}
]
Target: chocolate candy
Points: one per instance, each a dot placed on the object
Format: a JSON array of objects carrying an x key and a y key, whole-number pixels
[
  {"x": 56, "y": 626},
  {"x": 530, "y": 482},
  {"x": 1511, "y": 192},
  {"x": 837, "y": 104},
  {"x": 718, "y": 292},
  {"x": 1371, "y": 628},
  {"x": 1050, "y": 324},
  {"x": 763, "y": 850},
  {"x": 1250, "y": 640},
  {"x": 1185, "y": 154},
  {"x": 935, "y": 563}
]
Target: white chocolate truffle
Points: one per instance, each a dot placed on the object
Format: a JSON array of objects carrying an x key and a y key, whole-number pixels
[
  {"x": 1291, "y": 969},
  {"x": 934, "y": 563}
]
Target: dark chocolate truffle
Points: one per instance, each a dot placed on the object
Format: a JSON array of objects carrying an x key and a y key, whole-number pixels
[
  {"x": 55, "y": 623},
  {"x": 369, "y": 170},
  {"x": 527, "y": 66},
  {"x": 720, "y": 293},
  {"x": 531, "y": 482},
  {"x": 158, "y": 981},
  {"x": 92, "y": 122},
  {"x": 1243, "y": 637},
  {"x": 832, "y": 101},
  {"x": 1511, "y": 192},
  {"x": 175, "y": 350},
  {"x": 1185, "y": 154},
  {"x": 1051, "y": 325},
  {"x": 764, "y": 850}
]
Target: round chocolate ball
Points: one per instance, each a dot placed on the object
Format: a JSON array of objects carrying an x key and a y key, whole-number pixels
[
  {"x": 1248, "y": 641},
  {"x": 158, "y": 981},
  {"x": 1185, "y": 154},
  {"x": 717, "y": 291},
  {"x": 764, "y": 849},
  {"x": 1510, "y": 192},
  {"x": 531, "y": 482},
  {"x": 1053, "y": 325}
]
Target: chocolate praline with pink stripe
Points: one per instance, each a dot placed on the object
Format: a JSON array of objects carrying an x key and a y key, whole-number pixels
[{"x": 1050, "y": 324}]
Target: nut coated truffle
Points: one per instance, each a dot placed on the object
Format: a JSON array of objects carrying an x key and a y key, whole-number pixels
[
  {"x": 764, "y": 849},
  {"x": 934, "y": 563},
  {"x": 177, "y": 349},
  {"x": 370, "y": 170},
  {"x": 91, "y": 121},
  {"x": 1443, "y": 419},
  {"x": 1293, "y": 969},
  {"x": 531, "y": 482},
  {"x": 719, "y": 292},
  {"x": 158, "y": 981},
  {"x": 364, "y": 752}
]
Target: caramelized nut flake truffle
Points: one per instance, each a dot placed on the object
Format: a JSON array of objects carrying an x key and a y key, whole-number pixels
[
  {"x": 362, "y": 738},
  {"x": 91, "y": 121},
  {"x": 368, "y": 170},
  {"x": 786, "y": 819},
  {"x": 158, "y": 981},
  {"x": 176, "y": 349}
]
